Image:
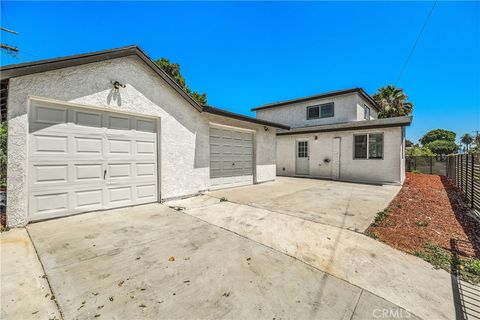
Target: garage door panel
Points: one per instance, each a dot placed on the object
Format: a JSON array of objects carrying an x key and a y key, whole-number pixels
[
  {"x": 89, "y": 198},
  {"x": 50, "y": 115},
  {"x": 50, "y": 144},
  {"x": 88, "y": 172},
  {"x": 119, "y": 170},
  {"x": 118, "y": 123},
  {"x": 119, "y": 146},
  {"x": 50, "y": 202},
  {"x": 88, "y": 145},
  {"x": 146, "y": 125},
  {"x": 50, "y": 173},
  {"x": 231, "y": 157},
  {"x": 146, "y": 170},
  {"x": 148, "y": 191},
  {"x": 120, "y": 194},
  {"x": 145, "y": 147},
  {"x": 83, "y": 160},
  {"x": 88, "y": 119}
]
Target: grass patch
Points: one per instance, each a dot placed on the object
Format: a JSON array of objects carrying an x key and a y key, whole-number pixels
[
  {"x": 4, "y": 229},
  {"x": 421, "y": 223},
  {"x": 416, "y": 171},
  {"x": 223, "y": 199},
  {"x": 371, "y": 235},
  {"x": 467, "y": 268},
  {"x": 381, "y": 215}
]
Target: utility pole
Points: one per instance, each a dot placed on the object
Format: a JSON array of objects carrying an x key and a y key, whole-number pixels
[{"x": 10, "y": 49}]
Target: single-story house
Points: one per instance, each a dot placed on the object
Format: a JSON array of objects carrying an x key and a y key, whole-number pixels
[{"x": 110, "y": 129}]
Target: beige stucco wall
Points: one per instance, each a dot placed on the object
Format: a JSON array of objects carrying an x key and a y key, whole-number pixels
[
  {"x": 361, "y": 102},
  {"x": 347, "y": 107},
  {"x": 387, "y": 170},
  {"x": 184, "y": 134},
  {"x": 295, "y": 114}
]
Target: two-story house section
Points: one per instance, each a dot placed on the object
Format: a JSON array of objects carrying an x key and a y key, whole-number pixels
[{"x": 337, "y": 135}]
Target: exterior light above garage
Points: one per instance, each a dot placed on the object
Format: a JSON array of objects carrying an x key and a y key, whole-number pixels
[{"x": 117, "y": 85}]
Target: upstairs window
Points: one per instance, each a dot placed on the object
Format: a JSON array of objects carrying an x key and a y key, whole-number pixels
[
  {"x": 325, "y": 110},
  {"x": 313, "y": 112},
  {"x": 368, "y": 146},
  {"x": 366, "y": 112}
]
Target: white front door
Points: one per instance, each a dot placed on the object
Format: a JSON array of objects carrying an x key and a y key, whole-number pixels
[
  {"x": 302, "y": 162},
  {"x": 231, "y": 157},
  {"x": 84, "y": 159}
]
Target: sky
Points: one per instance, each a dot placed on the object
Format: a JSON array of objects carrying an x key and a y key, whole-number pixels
[{"x": 244, "y": 54}]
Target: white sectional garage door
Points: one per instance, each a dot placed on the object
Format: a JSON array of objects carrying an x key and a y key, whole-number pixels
[
  {"x": 84, "y": 160},
  {"x": 231, "y": 157}
]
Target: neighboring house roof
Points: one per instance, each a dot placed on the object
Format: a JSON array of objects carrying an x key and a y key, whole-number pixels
[
  {"x": 22, "y": 69},
  {"x": 353, "y": 125},
  {"x": 319, "y": 96},
  {"x": 228, "y": 114}
]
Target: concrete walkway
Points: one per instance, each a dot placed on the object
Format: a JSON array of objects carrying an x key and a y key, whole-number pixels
[
  {"x": 399, "y": 278},
  {"x": 24, "y": 290},
  {"x": 151, "y": 262},
  {"x": 346, "y": 205}
]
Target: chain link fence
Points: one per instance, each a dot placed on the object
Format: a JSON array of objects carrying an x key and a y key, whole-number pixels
[{"x": 426, "y": 164}]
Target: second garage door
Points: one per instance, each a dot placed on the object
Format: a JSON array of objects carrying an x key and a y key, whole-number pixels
[
  {"x": 231, "y": 157},
  {"x": 83, "y": 160}
]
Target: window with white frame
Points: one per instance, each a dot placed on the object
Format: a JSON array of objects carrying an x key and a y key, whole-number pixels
[
  {"x": 325, "y": 110},
  {"x": 366, "y": 112},
  {"x": 368, "y": 146}
]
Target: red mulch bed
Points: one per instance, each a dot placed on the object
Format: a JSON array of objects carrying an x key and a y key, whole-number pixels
[{"x": 433, "y": 200}]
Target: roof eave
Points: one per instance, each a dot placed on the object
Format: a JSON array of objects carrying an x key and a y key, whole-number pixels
[
  {"x": 232, "y": 115},
  {"x": 18, "y": 70},
  {"x": 319, "y": 96},
  {"x": 403, "y": 122}
]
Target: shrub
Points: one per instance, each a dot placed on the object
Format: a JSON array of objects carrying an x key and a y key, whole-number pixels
[{"x": 421, "y": 223}]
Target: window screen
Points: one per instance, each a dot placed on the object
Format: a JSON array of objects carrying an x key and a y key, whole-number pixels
[
  {"x": 313, "y": 112},
  {"x": 375, "y": 146},
  {"x": 360, "y": 146},
  {"x": 326, "y": 110}
]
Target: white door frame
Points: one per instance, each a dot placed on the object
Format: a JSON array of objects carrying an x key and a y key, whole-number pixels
[
  {"x": 308, "y": 156},
  {"x": 336, "y": 155}
]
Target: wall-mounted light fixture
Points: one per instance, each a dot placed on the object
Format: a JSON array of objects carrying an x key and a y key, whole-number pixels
[
  {"x": 117, "y": 85},
  {"x": 265, "y": 128},
  {"x": 316, "y": 137}
]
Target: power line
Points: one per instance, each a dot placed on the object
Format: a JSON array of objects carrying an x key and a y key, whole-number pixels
[
  {"x": 416, "y": 42},
  {"x": 8, "y": 30},
  {"x": 10, "y": 49}
]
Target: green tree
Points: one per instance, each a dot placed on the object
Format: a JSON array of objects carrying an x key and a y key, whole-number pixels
[
  {"x": 173, "y": 70},
  {"x": 442, "y": 146},
  {"x": 408, "y": 143},
  {"x": 393, "y": 102},
  {"x": 417, "y": 151},
  {"x": 467, "y": 140},
  {"x": 438, "y": 134}
]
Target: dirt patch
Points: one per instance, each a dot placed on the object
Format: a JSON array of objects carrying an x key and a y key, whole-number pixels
[{"x": 428, "y": 211}]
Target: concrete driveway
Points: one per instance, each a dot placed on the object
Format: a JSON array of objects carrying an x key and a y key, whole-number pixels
[
  {"x": 153, "y": 262},
  {"x": 346, "y": 205}
]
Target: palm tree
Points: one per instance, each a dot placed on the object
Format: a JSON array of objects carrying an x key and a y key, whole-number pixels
[
  {"x": 393, "y": 102},
  {"x": 467, "y": 140}
]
